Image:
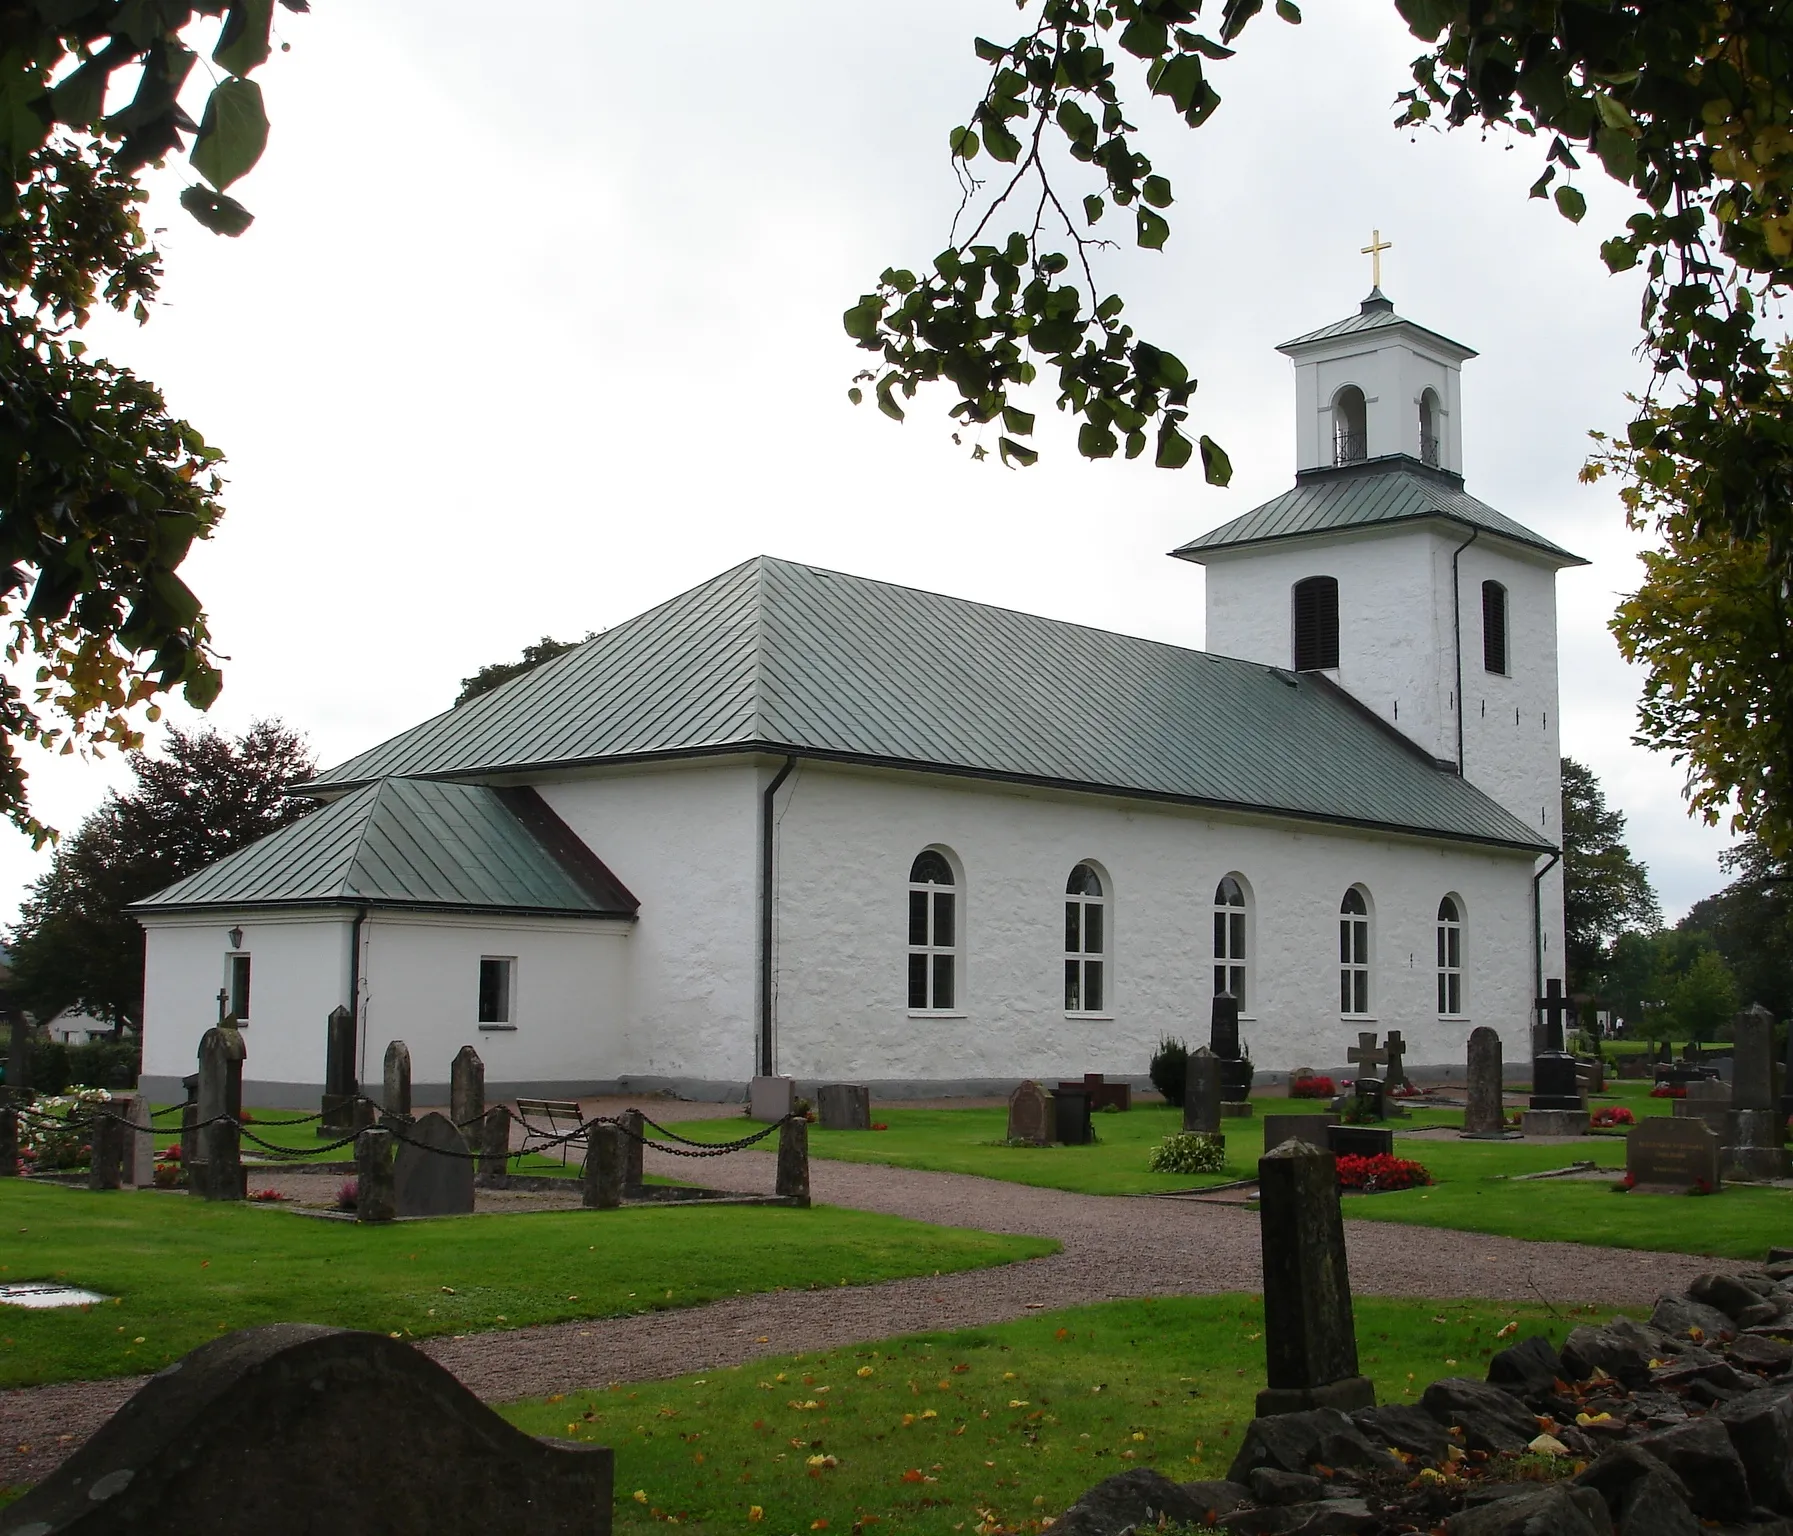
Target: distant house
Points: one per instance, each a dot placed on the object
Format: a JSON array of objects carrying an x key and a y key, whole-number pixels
[{"x": 74, "y": 1027}]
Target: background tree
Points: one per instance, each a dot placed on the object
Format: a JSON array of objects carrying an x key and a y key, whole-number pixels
[
  {"x": 1750, "y": 924},
  {"x": 1703, "y": 999},
  {"x": 1605, "y": 890},
  {"x": 497, "y": 673},
  {"x": 205, "y": 797}
]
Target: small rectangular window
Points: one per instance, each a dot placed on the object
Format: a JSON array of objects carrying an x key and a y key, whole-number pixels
[
  {"x": 1092, "y": 932},
  {"x": 918, "y": 981},
  {"x": 943, "y": 924},
  {"x": 1092, "y": 986},
  {"x": 918, "y": 918},
  {"x": 495, "y": 975},
  {"x": 1073, "y": 986},
  {"x": 239, "y": 987},
  {"x": 943, "y": 981}
]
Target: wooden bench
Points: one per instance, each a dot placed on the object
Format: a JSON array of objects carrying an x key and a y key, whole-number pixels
[{"x": 563, "y": 1117}]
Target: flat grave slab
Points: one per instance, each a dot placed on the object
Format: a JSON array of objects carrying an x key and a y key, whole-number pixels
[{"x": 38, "y": 1294}]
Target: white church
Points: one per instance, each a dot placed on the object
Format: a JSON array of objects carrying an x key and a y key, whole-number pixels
[{"x": 803, "y": 822}]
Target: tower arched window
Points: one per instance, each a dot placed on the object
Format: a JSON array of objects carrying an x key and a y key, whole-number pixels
[
  {"x": 1450, "y": 957},
  {"x": 933, "y": 933},
  {"x": 1350, "y": 426},
  {"x": 1354, "y": 953},
  {"x": 1429, "y": 450},
  {"x": 1086, "y": 942},
  {"x": 1316, "y": 624},
  {"x": 1230, "y": 939},
  {"x": 1494, "y": 627}
]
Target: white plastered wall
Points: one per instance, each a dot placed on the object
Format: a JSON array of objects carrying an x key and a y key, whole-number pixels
[
  {"x": 1393, "y": 373},
  {"x": 846, "y": 839}
]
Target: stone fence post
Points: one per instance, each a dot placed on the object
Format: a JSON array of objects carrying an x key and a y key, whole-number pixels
[
  {"x": 634, "y": 1128},
  {"x": 495, "y": 1147},
  {"x": 376, "y": 1189},
  {"x": 603, "y": 1177},
  {"x": 793, "y": 1160}
]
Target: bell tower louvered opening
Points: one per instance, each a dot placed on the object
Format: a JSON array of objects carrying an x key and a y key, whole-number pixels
[{"x": 1316, "y": 624}]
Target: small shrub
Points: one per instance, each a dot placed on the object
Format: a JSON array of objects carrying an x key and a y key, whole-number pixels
[
  {"x": 48, "y": 1147},
  {"x": 268, "y": 1196},
  {"x": 1189, "y": 1152},
  {"x": 1170, "y": 1070},
  {"x": 348, "y": 1197},
  {"x": 1307, "y": 1086},
  {"x": 1376, "y": 1175},
  {"x": 168, "y": 1176}
]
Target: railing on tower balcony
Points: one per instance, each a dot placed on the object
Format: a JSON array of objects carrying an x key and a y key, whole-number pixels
[
  {"x": 1350, "y": 447},
  {"x": 1428, "y": 448}
]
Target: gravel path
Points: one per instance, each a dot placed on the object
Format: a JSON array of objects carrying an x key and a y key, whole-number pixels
[{"x": 1112, "y": 1247}]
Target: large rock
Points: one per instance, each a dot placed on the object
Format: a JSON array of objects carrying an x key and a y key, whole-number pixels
[
  {"x": 1141, "y": 1497},
  {"x": 1654, "y": 1506},
  {"x": 1677, "y": 1316},
  {"x": 1616, "y": 1471},
  {"x": 1330, "y": 1517},
  {"x": 1489, "y": 1418},
  {"x": 1294, "y": 1442},
  {"x": 1404, "y": 1427},
  {"x": 1700, "y": 1453},
  {"x": 1271, "y": 1485},
  {"x": 1558, "y": 1510},
  {"x": 293, "y": 1429},
  {"x": 1529, "y": 1366},
  {"x": 1727, "y": 1293},
  {"x": 1761, "y": 1430},
  {"x": 1587, "y": 1350},
  {"x": 1653, "y": 1341}
]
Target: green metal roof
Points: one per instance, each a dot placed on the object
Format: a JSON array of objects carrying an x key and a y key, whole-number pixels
[
  {"x": 1376, "y": 313},
  {"x": 772, "y": 656},
  {"x": 411, "y": 843},
  {"x": 1391, "y": 490}
]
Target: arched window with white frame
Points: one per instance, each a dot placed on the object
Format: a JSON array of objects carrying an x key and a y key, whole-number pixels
[
  {"x": 1354, "y": 953},
  {"x": 1350, "y": 426},
  {"x": 1086, "y": 942},
  {"x": 1430, "y": 449},
  {"x": 933, "y": 934},
  {"x": 1230, "y": 939},
  {"x": 1450, "y": 958}
]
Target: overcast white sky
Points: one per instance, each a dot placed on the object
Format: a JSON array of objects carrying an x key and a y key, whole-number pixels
[{"x": 540, "y": 324}]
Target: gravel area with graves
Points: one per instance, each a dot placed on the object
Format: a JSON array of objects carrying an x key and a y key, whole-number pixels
[{"x": 1112, "y": 1247}]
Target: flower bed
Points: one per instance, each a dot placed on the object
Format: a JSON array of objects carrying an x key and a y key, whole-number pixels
[
  {"x": 1612, "y": 1115},
  {"x": 1375, "y": 1175},
  {"x": 45, "y": 1148},
  {"x": 1668, "y": 1091},
  {"x": 1307, "y": 1086}
]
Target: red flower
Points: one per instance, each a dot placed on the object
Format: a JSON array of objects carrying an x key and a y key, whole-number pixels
[
  {"x": 1312, "y": 1088},
  {"x": 1381, "y": 1172},
  {"x": 1668, "y": 1091}
]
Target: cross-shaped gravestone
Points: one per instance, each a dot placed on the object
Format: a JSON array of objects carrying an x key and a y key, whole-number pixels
[
  {"x": 1366, "y": 1055},
  {"x": 223, "y": 1004},
  {"x": 1395, "y": 1048},
  {"x": 1551, "y": 1008}
]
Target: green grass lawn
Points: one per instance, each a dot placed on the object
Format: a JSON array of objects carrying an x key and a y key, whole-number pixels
[
  {"x": 184, "y": 1270},
  {"x": 986, "y": 1429}
]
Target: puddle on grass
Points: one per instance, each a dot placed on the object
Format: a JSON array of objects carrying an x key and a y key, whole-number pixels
[{"x": 42, "y": 1293}]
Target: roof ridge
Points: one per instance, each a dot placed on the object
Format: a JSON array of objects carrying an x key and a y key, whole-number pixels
[{"x": 367, "y": 821}]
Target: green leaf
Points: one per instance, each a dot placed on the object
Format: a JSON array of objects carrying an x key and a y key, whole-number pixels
[
  {"x": 1217, "y": 468},
  {"x": 989, "y": 52},
  {"x": 1092, "y": 207},
  {"x": 1145, "y": 37},
  {"x": 81, "y": 98},
  {"x": 1079, "y": 127},
  {"x": 232, "y": 134},
  {"x": 1095, "y": 442},
  {"x": 856, "y": 395},
  {"x": 1571, "y": 204},
  {"x": 1000, "y": 142},
  {"x": 243, "y": 42},
  {"x": 1289, "y": 12},
  {"x": 1156, "y": 191},
  {"x": 1019, "y": 453},
  {"x": 963, "y": 142},
  {"x": 1154, "y": 230},
  {"x": 1619, "y": 254},
  {"x": 886, "y": 400},
  {"x": 861, "y": 321},
  {"x": 1174, "y": 449},
  {"x": 1016, "y": 419},
  {"x": 220, "y": 214}
]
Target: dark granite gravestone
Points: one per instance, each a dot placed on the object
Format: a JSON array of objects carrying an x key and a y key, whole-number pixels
[
  {"x": 1484, "y": 1119},
  {"x": 1394, "y": 1048},
  {"x": 106, "y": 1158},
  {"x": 1787, "y": 1082},
  {"x": 1360, "y": 1141},
  {"x": 495, "y": 1148},
  {"x": 1201, "y": 1092},
  {"x": 1309, "y": 1128},
  {"x": 793, "y": 1161},
  {"x": 1752, "y": 1075},
  {"x": 432, "y": 1173},
  {"x": 218, "y": 1173},
  {"x": 189, "y": 1142},
  {"x": 1071, "y": 1105},
  {"x": 395, "y": 1089},
  {"x": 845, "y": 1107},
  {"x": 1555, "y": 1082},
  {"x": 1366, "y": 1055},
  {"x": 633, "y": 1124},
  {"x": 1372, "y": 1098},
  {"x": 1676, "y": 1155},
  {"x": 294, "y": 1429},
  {"x": 376, "y": 1189},
  {"x": 466, "y": 1088},
  {"x": 342, "y": 1090},
  {"x": 1107, "y": 1095},
  {"x": 601, "y": 1187},
  {"x": 1708, "y": 1100},
  {"x": 1030, "y": 1115},
  {"x": 1223, "y": 1041},
  {"x": 1310, "y": 1340}
]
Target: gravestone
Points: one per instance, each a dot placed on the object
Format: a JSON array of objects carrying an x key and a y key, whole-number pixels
[
  {"x": 293, "y": 1429},
  {"x": 1201, "y": 1092},
  {"x": 1484, "y": 1118},
  {"x": 342, "y": 1090},
  {"x": 432, "y": 1172},
  {"x": 1030, "y": 1115},
  {"x": 1366, "y": 1055},
  {"x": 1308, "y": 1128},
  {"x": 218, "y": 1173},
  {"x": 845, "y": 1107},
  {"x": 1372, "y": 1098},
  {"x": 106, "y": 1158},
  {"x": 1665, "y": 1154},
  {"x": 601, "y": 1183},
  {"x": 1071, "y": 1105},
  {"x": 1555, "y": 1082},
  {"x": 466, "y": 1088},
  {"x": 793, "y": 1161},
  {"x": 1708, "y": 1100},
  {"x": 395, "y": 1090},
  {"x": 140, "y": 1150},
  {"x": 1394, "y": 1048},
  {"x": 495, "y": 1148},
  {"x": 1310, "y": 1340},
  {"x": 634, "y": 1128},
  {"x": 1107, "y": 1095},
  {"x": 770, "y": 1099},
  {"x": 189, "y": 1142},
  {"x": 1235, "y": 1069},
  {"x": 1360, "y": 1140},
  {"x": 1787, "y": 1082},
  {"x": 376, "y": 1188},
  {"x": 9, "y": 1141},
  {"x": 1752, "y": 1074}
]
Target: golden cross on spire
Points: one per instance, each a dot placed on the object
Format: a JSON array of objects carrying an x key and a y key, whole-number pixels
[{"x": 1374, "y": 251}]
